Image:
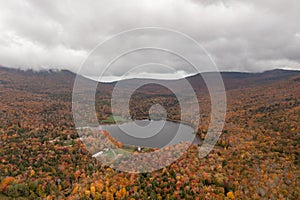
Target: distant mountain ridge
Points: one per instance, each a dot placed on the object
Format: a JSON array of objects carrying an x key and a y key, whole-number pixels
[
  {"x": 233, "y": 74},
  {"x": 232, "y": 80}
]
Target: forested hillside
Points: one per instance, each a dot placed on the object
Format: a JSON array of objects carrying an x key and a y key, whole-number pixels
[{"x": 256, "y": 157}]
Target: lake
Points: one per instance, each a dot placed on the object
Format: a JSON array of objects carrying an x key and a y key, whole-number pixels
[{"x": 153, "y": 134}]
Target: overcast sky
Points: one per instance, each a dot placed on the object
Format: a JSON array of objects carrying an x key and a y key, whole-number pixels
[{"x": 240, "y": 35}]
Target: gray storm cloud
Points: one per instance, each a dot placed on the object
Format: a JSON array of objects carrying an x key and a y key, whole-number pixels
[{"x": 248, "y": 35}]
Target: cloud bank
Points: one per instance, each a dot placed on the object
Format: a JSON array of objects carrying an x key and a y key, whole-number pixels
[{"x": 248, "y": 35}]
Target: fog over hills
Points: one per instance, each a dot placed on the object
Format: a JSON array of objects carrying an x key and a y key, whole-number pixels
[{"x": 231, "y": 79}]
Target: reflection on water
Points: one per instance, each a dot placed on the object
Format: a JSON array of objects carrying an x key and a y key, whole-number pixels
[{"x": 153, "y": 134}]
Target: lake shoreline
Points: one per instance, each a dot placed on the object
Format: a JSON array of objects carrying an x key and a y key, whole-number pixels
[{"x": 171, "y": 133}]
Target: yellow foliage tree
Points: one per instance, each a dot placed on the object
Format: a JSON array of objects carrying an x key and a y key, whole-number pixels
[
  {"x": 88, "y": 193},
  {"x": 93, "y": 190},
  {"x": 230, "y": 195},
  {"x": 121, "y": 193},
  {"x": 32, "y": 173}
]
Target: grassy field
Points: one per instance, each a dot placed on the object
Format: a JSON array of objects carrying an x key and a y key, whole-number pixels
[{"x": 110, "y": 154}]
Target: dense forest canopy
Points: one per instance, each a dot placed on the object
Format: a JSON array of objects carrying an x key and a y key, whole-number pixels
[{"x": 256, "y": 157}]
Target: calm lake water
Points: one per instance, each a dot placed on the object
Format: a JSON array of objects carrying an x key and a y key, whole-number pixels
[{"x": 154, "y": 134}]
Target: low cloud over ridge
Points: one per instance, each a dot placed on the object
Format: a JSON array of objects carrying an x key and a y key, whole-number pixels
[{"x": 249, "y": 35}]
